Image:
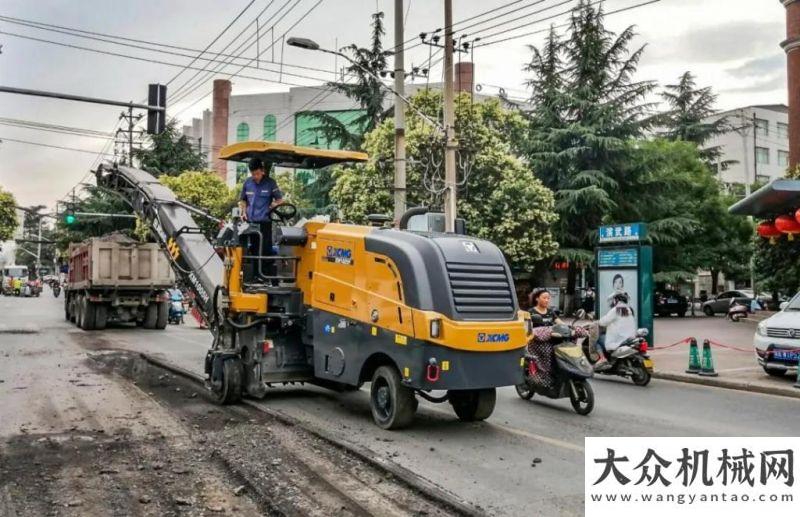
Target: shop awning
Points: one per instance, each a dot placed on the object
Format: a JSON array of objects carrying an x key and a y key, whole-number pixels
[{"x": 780, "y": 196}]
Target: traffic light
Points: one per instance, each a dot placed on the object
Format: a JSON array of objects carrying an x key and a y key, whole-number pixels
[
  {"x": 69, "y": 217},
  {"x": 156, "y": 119}
]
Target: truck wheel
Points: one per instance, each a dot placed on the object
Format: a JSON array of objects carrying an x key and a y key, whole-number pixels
[
  {"x": 100, "y": 316},
  {"x": 392, "y": 404},
  {"x": 162, "y": 315},
  {"x": 150, "y": 316},
  {"x": 76, "y": 310},
  {"x": 88, "y": 312},
  {"x": 473, "y": 405},
  {"x": 67, "y": 315},
  {"x": 232, "y": 378}
]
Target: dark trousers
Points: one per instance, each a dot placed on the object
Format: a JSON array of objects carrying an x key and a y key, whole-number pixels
[{"x": 265, "y": 250}]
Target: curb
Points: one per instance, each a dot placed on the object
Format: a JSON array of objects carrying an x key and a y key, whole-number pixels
[{"x": 731, "y": 385}]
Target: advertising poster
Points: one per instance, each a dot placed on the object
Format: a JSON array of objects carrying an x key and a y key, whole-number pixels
[{"x": 610, "y": 280}]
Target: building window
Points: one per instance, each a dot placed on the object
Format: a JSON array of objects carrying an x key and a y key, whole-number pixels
[
  {"x": 762, "y": 127},
  {"x": 270, "y": 128},
  {"x": 783, "y": 158},
  {"x": 783, "y": 130},
  {"x": 762, "y": 156},
  {"x": 242, "y": 132}
]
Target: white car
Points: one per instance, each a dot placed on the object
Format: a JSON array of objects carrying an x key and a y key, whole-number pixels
[{"x": 777, "y": 340}]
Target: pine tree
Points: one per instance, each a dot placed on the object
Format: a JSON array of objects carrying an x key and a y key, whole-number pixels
[
  {"x": 686, "y": 119},
  {"x": 587, "y": 112},
  {"x": 367, "y": 91}
]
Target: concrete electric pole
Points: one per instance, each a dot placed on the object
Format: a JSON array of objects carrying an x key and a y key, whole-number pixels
[
  {"x": 399, "y": 116},
  {"x": 449, "y": 123}
]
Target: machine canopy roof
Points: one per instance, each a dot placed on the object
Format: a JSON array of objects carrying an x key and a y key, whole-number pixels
[
  {"x": 780, "y": 196},
  {"x": 288, "y": 155}
]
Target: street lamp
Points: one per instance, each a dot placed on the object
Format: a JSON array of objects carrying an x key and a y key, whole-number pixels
[{"x": 309, "y": 44}]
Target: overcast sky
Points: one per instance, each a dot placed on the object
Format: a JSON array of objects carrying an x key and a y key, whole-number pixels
[{"x": 731, "y": 45}]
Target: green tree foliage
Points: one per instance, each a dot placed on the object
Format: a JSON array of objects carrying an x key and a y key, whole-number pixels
[
  {"x": 170, "y": 154},
  {"x": 587, "y": 111},
  {"x": 689, "y": 107},
  {"x": 500, "y": 200},
  {"x": 8, "y": 215},
  {"x": 95, "y": 200},
  {"x": 204, "y": 190},
  {"x": 365, "y": 90},
  {"x": 677, "y": 194}
]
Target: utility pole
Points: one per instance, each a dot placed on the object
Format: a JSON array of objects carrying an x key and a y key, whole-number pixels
[
  {"x": 132, "y": 120},
  {"x": 449, "y": 123},
  {"x": 399, "y": 116}
]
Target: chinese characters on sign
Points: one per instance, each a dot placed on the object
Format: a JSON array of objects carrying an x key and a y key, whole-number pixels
[
  {"x": 691, "y": 476},
  {"x": 630, "y": 232}
]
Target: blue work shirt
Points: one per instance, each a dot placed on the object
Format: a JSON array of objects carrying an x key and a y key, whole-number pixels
[{"x": 258, "y": 197}]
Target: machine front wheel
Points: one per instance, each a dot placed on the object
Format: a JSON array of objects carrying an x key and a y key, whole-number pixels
[
  {"x": 473, "y": 405},
  {"x": 581, "y": 396},
  {"x": 524, "y": 390},
  {"x": 393, "y": 405},
  {"x": 230, "y": 391}
]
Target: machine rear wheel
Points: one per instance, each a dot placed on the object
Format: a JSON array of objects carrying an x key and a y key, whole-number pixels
[
  {"x": 392, "y": 404},
  {"x": 582, "y": 397},
  {"x": 472, "y": 405},
  {"x": 230, "y": 391}
]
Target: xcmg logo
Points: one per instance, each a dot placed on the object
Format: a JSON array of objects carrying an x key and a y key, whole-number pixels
[
  {"x": 492, "y": 338},
  {"x": 339, "y": 255}
]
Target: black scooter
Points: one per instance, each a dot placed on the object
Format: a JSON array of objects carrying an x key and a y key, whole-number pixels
[
  {"x": 570, "y": 375},
  {"x": 630, "y": 359}
]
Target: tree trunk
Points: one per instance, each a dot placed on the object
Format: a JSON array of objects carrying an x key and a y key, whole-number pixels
[
  {"x": 569, "y": 296},
  {"x": 714, "y": 281}
]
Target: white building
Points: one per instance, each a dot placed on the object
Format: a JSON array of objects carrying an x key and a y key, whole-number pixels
[{"x": 760, "y": 157}]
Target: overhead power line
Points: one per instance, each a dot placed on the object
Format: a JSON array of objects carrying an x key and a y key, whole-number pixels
[{"x": 64, "y": 148}]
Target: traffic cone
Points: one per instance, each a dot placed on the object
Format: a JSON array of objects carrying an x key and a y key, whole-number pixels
[
  {"x": 707, "y": 367},
  {"x": 694, "y": 357}
]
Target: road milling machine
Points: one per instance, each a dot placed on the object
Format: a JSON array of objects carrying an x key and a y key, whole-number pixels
[{"x": 433, "y": 315}]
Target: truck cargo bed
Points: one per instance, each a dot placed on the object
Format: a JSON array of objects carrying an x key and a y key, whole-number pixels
[{"x": 122, "y": 264}]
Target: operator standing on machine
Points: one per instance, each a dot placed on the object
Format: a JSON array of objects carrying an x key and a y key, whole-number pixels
[{"x": 260, "y": 194}]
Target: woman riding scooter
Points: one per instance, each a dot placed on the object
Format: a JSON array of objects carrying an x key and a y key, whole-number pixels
[
  {"x": 554, "y": 363},
  {"x": 620, "y": 325}
]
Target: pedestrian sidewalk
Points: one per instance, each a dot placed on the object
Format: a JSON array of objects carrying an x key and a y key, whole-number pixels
[{"x": 734, "y": 361}]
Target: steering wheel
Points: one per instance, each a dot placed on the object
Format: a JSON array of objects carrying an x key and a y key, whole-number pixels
[{"x": 283, "y": 213}]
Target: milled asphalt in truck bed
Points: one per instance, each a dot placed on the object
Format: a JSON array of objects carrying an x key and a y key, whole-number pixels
[{"x": 490, "y": 463}]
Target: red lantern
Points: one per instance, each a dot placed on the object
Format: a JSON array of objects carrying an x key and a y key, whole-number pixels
[
  {"x": 768, "y": 230},
  {"x": 797, "y": 215},
  {"x": 788, "y": 225}
]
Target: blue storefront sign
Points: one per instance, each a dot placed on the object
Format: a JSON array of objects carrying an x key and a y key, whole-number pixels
[{"x": 629, "y": 232}]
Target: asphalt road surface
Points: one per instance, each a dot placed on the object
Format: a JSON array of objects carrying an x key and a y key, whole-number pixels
[{"x": 489, "y": 464}]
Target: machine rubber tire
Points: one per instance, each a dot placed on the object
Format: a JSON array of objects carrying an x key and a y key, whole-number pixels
[
  {"x": 585, "y": 396},
  {"x": 473, "y": 405},
  {"x": 641, "y": 377},
  {"x": 524, "y": 391},
  {"x": 392, "y": 404},
  {"x": 162, "y": 315},
  {"x": 232, "y": 381},
  {"x": 88, "y": 313},
  {"x": 708, "y": 311},
  {"x": 774, "y": 373},
  {"x": 100, "y": 316},
  {"x": 66, "y": 309},
  {"x": 150, "y": 316}
]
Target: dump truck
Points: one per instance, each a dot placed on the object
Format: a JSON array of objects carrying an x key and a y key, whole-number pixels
[
  {"x": 116, "y": 279},
  {"x": 410, "y": 312}
]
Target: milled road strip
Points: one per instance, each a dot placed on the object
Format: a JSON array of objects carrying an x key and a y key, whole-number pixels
[{"x": 444, "y": 500}]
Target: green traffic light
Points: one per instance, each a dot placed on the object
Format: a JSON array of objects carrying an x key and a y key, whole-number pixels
[{"x": 69, "y": 218}]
